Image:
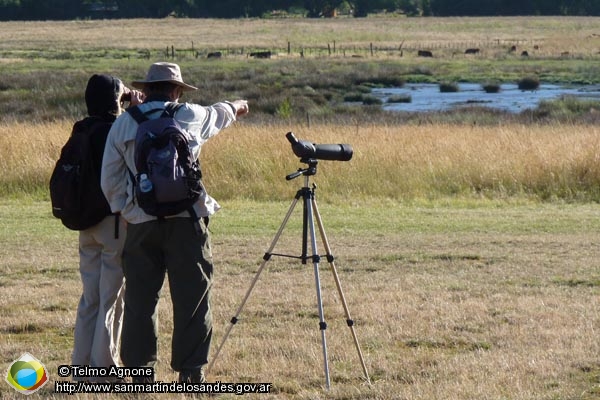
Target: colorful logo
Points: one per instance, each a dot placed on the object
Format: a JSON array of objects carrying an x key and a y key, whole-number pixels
[{"x": 26, "y": 374}]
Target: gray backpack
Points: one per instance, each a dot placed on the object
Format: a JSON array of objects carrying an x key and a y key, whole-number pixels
[{"x": 168, "y": 179}]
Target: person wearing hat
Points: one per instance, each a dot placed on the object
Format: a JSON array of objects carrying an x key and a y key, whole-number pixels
[
  {"x": 100, "y": 309},
  {"x": 168, "y": 246}
]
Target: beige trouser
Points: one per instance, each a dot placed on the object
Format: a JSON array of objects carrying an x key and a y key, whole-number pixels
[{"x": 100, "y": 310}]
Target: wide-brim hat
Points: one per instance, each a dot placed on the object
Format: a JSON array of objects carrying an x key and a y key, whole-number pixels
[{"x": 164, "y": 72}]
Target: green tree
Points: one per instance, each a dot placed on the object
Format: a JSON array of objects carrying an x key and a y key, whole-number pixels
[
  {"x": 148, "y": 8},
  {"x": 72, "y": 9},
  {"x": 320, "y": 8},
  {"x": 425, "y": 7},
  {"x": 51, "y": 9},
  {"x": 9, "y": 10},
  {"x": 409, "y": 7}
]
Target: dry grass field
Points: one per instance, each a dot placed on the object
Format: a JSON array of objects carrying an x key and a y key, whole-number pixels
[
  {"x": 451, "y": 301},
  {"x": 545, "y": 36}
]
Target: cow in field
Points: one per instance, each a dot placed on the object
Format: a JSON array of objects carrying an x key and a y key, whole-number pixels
[
  {"x": 261, "y": 54},
  {"x": 215, "y": 54},
  {"x": 472, "y": 51},
  {"x": 424, "y": 53}
]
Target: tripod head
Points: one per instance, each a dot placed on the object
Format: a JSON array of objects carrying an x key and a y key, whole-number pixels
[{"x": 308, "y": 171}]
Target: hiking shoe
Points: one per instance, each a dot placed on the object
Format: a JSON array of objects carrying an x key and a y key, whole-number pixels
[
  {"x": 142, "y": 379},
  {"x": 192, "y": 376}
]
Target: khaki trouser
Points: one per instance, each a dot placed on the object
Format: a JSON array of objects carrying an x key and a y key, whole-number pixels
[
  {"x": 100, "y": 309},
  {"x": 152, "y": 250}
]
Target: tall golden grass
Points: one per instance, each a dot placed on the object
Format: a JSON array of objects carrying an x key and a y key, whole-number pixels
[{"x": 399, "y": 162}]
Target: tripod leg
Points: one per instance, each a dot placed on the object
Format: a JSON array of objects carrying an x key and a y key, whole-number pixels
[
  {"x": 266, "y": 258},
  {"x": 315, "y": 258},
  {"x": 338, "y": 284}
]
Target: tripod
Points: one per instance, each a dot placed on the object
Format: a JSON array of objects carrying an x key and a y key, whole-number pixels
[{"x": 310, "y": 213}]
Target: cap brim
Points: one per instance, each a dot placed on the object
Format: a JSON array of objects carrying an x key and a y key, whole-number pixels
[{"x": 187, "y": 88}]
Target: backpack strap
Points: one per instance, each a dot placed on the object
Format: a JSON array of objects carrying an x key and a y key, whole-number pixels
[
  {"x": 117, "y": 217},
  {"x": 140, "y": 116},
  {"x": 137, "y": 114},
  {"x": 195, "y": 220},
  {"x": 171, "y": 108}
]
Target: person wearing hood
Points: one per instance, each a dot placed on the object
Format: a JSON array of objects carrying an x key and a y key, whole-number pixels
[{"x": 100, "y": 309}]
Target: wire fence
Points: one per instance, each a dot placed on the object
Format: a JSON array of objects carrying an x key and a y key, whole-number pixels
[
  {"x": 493, "y": 48},
  {"x": 490, "y": 48}
]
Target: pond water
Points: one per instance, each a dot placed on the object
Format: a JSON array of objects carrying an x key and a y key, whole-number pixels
[{"x": 427, "y": 96}]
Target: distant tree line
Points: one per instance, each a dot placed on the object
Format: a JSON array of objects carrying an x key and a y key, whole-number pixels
[{"x": 90, "y": 9}]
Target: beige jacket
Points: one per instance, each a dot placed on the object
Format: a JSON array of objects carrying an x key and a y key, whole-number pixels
[{"x": 201, "y": 123}]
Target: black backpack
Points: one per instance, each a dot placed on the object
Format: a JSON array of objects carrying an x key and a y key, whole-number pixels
[
  {"x": 75, "y": 192},
  {"x": 163, "y": 156}
]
